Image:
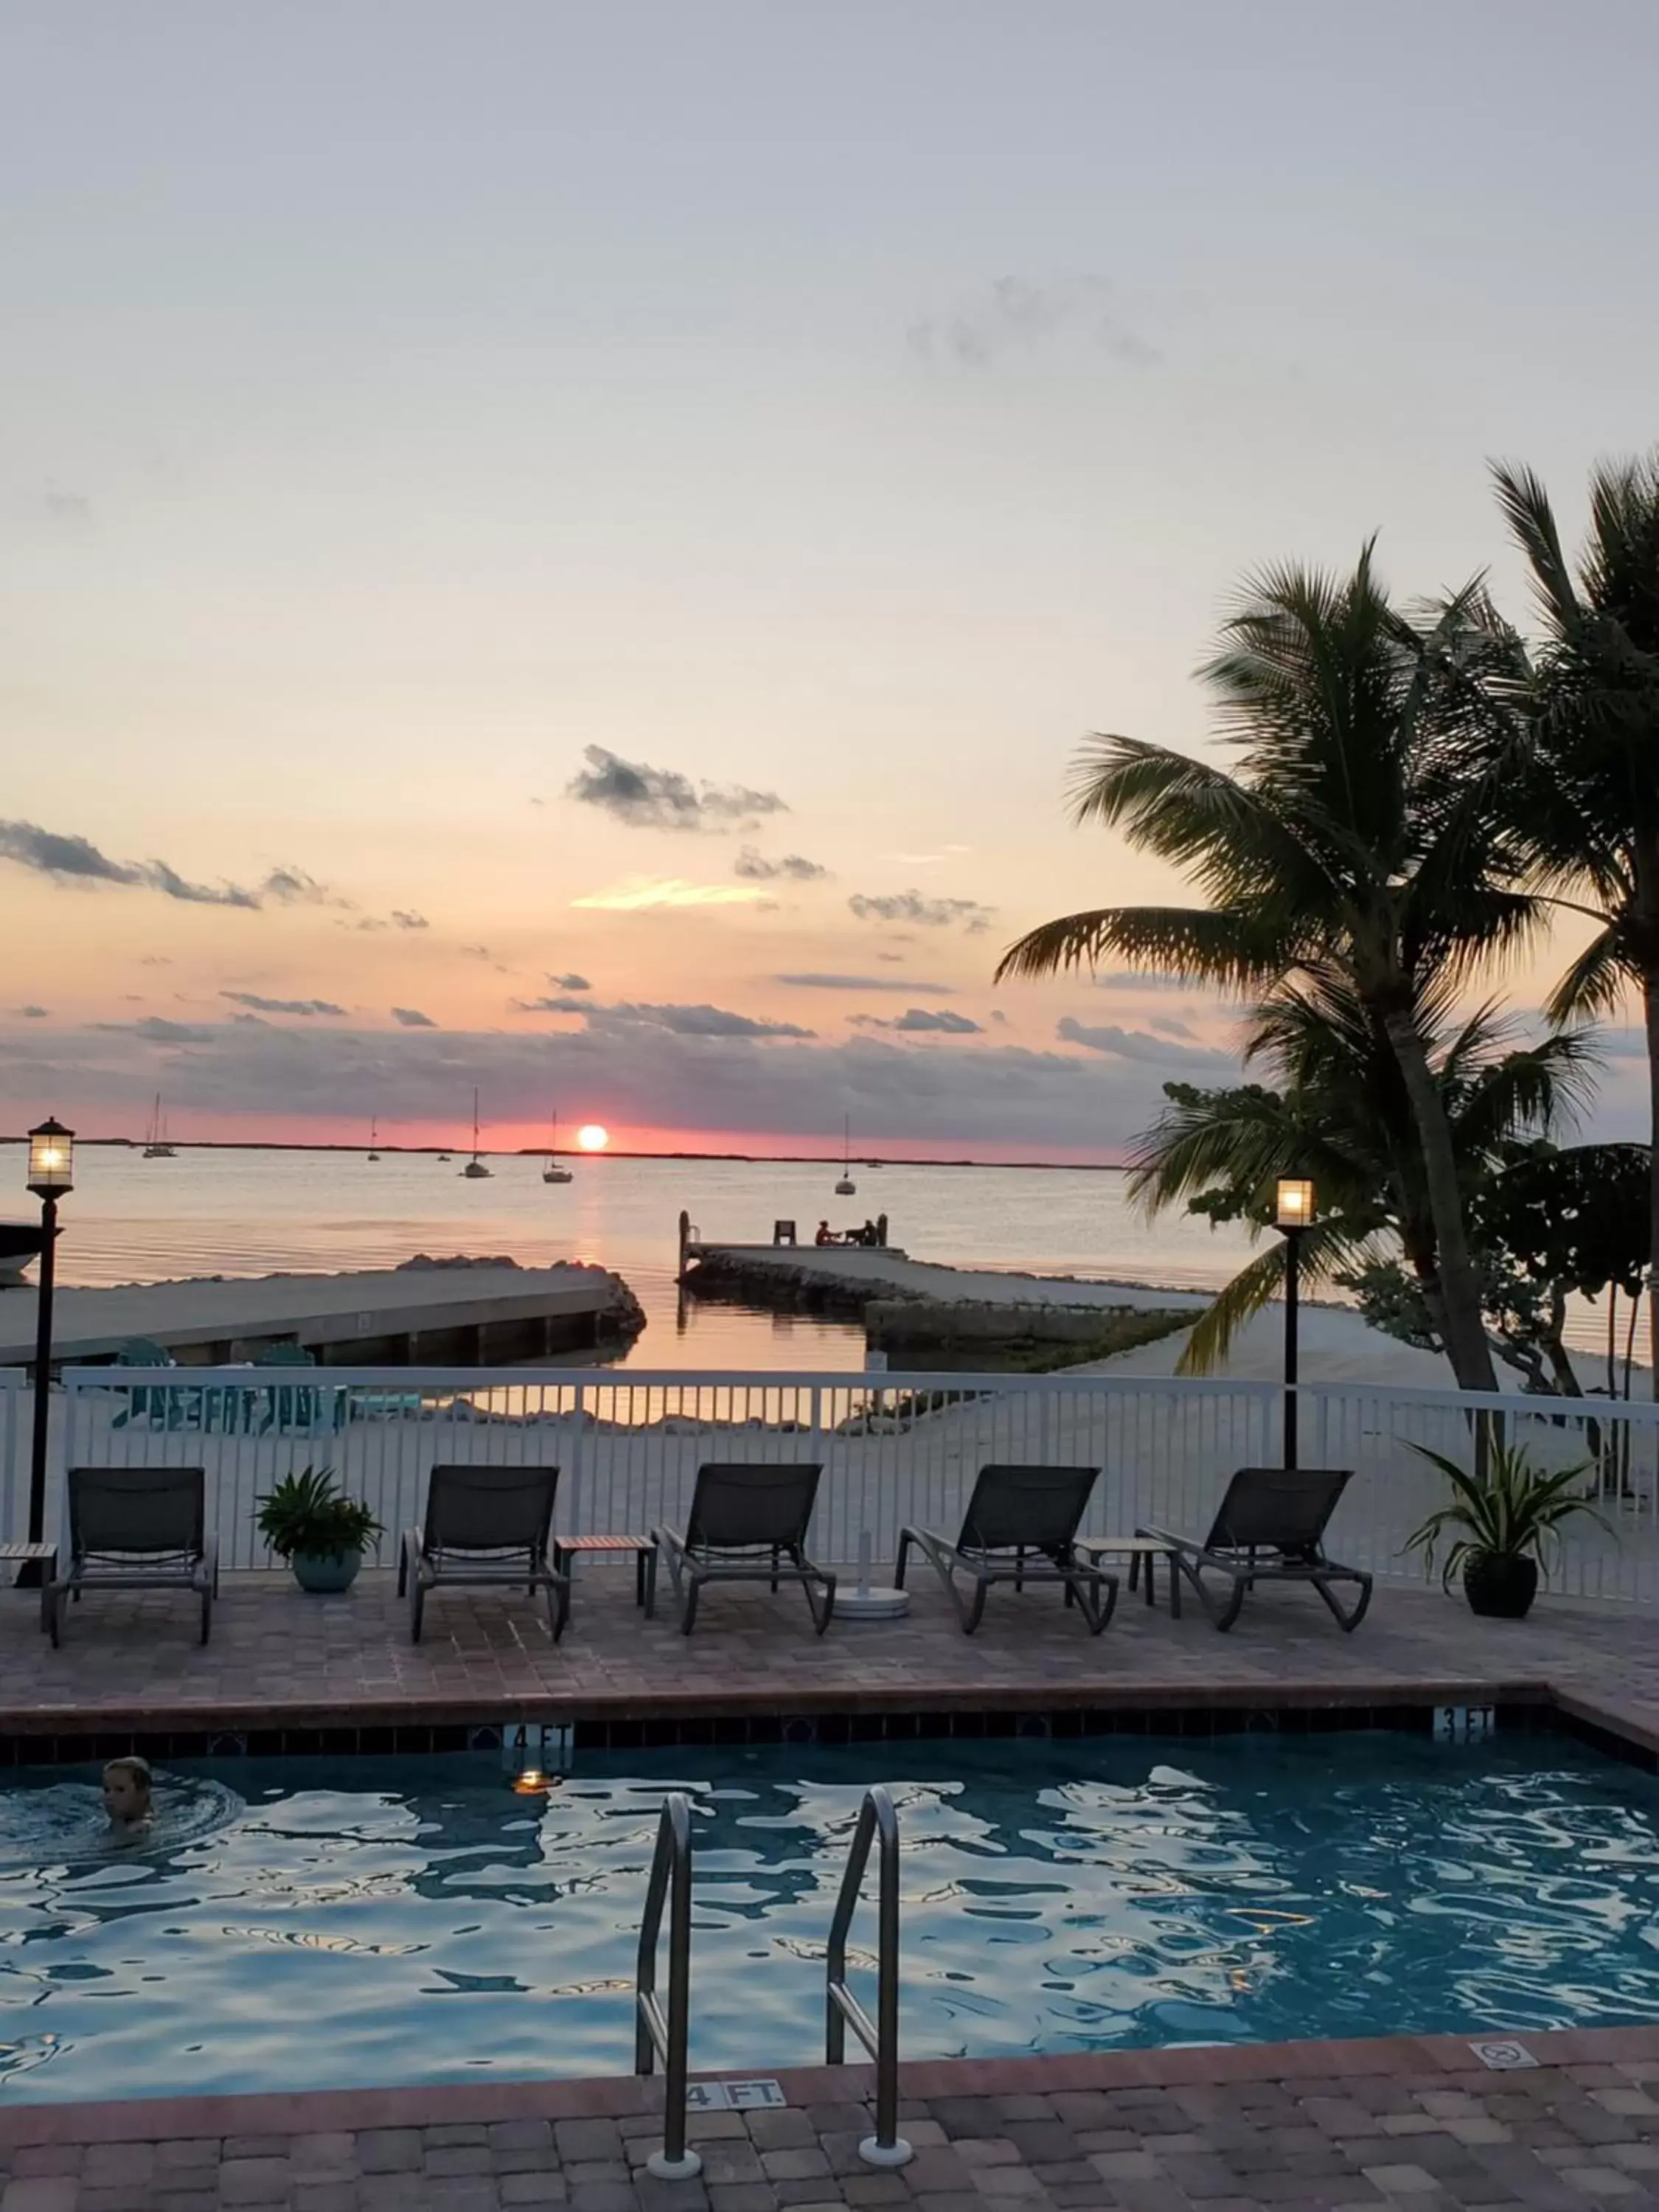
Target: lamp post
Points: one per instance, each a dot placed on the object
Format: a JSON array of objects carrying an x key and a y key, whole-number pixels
[
  {"x": 51, "y": 1174},
  {"x": 1294, "y": 1213}
]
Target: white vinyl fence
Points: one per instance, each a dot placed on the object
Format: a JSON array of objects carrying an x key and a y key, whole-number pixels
[{"x": 894, "y": 1448}]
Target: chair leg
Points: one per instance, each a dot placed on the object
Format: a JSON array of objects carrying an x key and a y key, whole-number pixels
[
  {"x": 1348, "y": 1616},
  {"x": 689, "y": 1610},
  {"x": 971, "y": 1616},
  {"x": 207, "y": 1612},
  {"x": 1235, "y": 1604},
  {"x": 54, "y": 1609},
  {"x": 1134, "y": 1574},
  {"x": 417, "y": 1608},
  {"x": 903, "y": 1561}
]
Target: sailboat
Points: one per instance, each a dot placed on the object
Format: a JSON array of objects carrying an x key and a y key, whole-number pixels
[
  {"x": 374, "y": 1137},
  {"x": 156, "y": 1146},
  {"x": 475, "y": 1170},
  {"x": 846, "y": 1188},
  {"x": 551, "y": 1172}
]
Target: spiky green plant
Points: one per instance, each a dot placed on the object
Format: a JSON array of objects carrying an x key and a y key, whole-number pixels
[
  {"x": 1513, "y": 1512},
  {"x": 304, "y": 1514}
]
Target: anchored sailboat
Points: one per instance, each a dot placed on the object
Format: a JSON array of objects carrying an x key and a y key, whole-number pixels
[
  {"x": 156, "y": 1146},
  {"x": 475, "y": 1170},
  {"x": 374, "y": 1137},
  {"x": 846, "y": 1188},
  {"x": 551, "y": 1172}
]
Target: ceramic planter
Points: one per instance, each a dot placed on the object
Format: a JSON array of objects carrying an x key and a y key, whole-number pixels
[
  {"x": 1501, "y": 1585},
  {"x": 322, "y": 1572}
]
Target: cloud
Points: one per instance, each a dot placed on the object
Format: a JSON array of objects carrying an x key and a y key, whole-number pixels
[
  {"x": 975, "y": 1094},
  {"x": 916, "y": 1021},
  {"x": 698, "y": 1021},
  {"x": 156, "y": 960},
  {"x": 405, "y": 918},
  {"x": 154, "y": 1029},
  {"x": 639, "y": 893},
  {"x": 1142, "y": 1045},
  {"x": 72, "y": 510},
  {"x": 571, "y": 983},
  {"x": 476, "y": 952},
  {"x": 259, "y": 1006},
  {"x": 929, "y": 913},
  {"x": 411, "y": 1018},
  {"x": 662, "y": 799},
  {"x": 33, "y": 1013},
  {"x": 813, "y": 982},
  {"x": 754, "y": 868},
  {"x": 1012, "y": 317},
  {"x": 70, "y": 859},
  {"x": 292, "y": 886}
]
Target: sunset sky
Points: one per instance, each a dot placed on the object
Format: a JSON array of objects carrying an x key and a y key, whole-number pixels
[{"x": 570, "y": 548}]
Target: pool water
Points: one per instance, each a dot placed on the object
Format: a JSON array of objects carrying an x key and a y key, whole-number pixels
[{"x": 312, "y": 1923}]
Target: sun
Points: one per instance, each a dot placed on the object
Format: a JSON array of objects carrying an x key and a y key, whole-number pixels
[{"x": 593, "y": 1137}]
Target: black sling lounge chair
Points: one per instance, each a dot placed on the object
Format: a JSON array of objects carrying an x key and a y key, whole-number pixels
[
  {"x": 748, "y": 1524},
  {"x": 484, "y": 1525},
  {"x": 1021, "y": 1525},
  {"x": 1270, "y": 1529},
  {"x": 136, "y": 1528}
]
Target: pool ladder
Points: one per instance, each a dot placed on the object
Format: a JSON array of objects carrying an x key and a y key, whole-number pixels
[{"x": 661, "y": 2036}]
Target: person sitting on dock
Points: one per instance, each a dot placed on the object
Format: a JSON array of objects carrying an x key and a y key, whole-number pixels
[{"x": 826, "y": 1235}]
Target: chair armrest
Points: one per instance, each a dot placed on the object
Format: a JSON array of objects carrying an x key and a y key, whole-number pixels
[{"x": 1188, "y": 1546}]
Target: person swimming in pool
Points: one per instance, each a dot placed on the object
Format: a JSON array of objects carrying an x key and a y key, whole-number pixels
[{"x": 127, "y": 1786}]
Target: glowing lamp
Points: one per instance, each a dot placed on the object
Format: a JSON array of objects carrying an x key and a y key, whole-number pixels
[
  {"x": 1295, "y": 1203},
  {"x": 52, "y": 1160}
]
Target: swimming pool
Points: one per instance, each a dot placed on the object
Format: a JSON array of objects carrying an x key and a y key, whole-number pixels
[{"x": 313, "y": 1924}]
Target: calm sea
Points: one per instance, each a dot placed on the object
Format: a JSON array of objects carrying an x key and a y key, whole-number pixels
[{"x": 133, "y": 1220}]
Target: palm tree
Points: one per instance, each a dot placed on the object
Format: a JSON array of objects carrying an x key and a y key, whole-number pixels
[
  {"x": 1352, "y": 851},
  {"x": 1341, "y": 1115},
  {"x": 1590, "y": 810}
]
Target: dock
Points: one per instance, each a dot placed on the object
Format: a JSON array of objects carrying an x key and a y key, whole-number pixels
[
  {"x": 436, "y": 1317},
  {"x": 928, "y": 1315}
]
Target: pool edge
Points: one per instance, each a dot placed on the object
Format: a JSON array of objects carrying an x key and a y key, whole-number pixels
[{"x": 625, "y": 2096}]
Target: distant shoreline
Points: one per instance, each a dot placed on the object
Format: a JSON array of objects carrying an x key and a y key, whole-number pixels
[{"x": 611, "y": 1152}]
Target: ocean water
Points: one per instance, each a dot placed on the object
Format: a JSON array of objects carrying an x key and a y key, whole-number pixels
[
  {"x": 309, "y": 1924},
  {"x": 221, "y": 1213},
  {"x": 256, "y": 1212}
]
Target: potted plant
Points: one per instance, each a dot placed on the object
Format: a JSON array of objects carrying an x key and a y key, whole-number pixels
[
  {"x": 1501, "y": 1523},
  {"x": 322, "y": 1534}
]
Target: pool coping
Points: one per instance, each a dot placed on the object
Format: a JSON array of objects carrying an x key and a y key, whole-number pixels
[
  {"x": 913, "y": 1711},
  {"x": 626, "y": 2096}
]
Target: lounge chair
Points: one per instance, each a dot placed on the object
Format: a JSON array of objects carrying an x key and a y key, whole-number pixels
[
  {"x": 136, "y": 1528},
  {"x": 484, "y": 1525},
  {"x": 745, "y": 1523},
  {"x": 1270, "y": 1529},
  {"x": 1021, "y": 1525}
]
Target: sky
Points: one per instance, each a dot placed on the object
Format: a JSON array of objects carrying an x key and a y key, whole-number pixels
[{"x": 571, "y": 550}]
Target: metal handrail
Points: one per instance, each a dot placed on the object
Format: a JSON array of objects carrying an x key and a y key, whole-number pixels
[
  {"x": 658, "y": 2034},
  {"x": 876, "y": 1819}
]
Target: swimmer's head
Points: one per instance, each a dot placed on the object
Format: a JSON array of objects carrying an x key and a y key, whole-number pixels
[{"x": 126, "y": 1791}]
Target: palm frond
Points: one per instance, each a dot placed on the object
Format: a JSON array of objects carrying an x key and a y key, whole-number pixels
[
  {"x": 1198, "y": 944},
  {"x": 1526, "y": 507},
  {"x": 1594, "y": 982}
]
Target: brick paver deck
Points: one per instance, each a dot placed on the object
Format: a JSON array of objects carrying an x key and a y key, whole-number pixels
[
  {"x": 1418, "y": 2124},
  {"x": 279, "y": 1657}
]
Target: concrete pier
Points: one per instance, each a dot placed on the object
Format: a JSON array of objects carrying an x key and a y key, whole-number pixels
[{"x": 484, "y": 1316}]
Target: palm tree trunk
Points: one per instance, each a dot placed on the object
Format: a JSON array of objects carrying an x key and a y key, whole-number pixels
[
  {"x": 1650, "y": 1010},
  {"x": 1466, "y": 1334}
]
